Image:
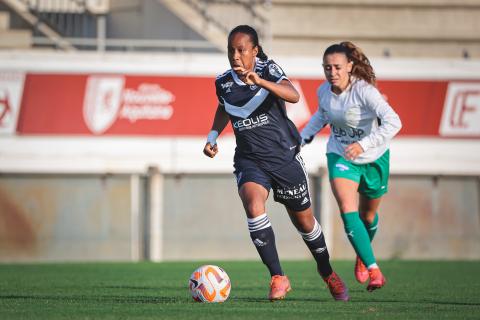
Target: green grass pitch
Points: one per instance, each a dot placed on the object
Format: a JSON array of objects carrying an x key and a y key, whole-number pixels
[{"x": 415, "y": 290}]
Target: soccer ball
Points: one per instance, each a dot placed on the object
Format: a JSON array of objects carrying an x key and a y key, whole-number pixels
[{"x": 209, "y": 283}]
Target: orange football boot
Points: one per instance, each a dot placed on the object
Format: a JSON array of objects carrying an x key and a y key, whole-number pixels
[
  {"x": 337, "y": 287},
  {"x": 279, "y": 286},
  {"x": 377, "y": 280},
  {"x": 361, "y": 272}
]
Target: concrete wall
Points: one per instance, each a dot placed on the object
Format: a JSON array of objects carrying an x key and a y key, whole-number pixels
[
  {"x": 65, "y": 217},
  {"x": 204, "y": 217},
  {"x": 423, "y": 217},
  {"x": 104, "y": 217}
]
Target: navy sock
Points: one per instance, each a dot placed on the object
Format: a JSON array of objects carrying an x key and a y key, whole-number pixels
[
  {"x": 263, "y": 238},
  {"x": 315, "y": 241}
]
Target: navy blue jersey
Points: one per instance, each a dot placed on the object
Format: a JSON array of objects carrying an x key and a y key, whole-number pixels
[{"x": 262, "y": 129}]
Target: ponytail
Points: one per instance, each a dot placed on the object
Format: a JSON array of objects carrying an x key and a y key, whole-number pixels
[
  {"x": 253, "y": 37},
  {"x": 261, "y": 55},
  {"x": 362, "y": 68}
]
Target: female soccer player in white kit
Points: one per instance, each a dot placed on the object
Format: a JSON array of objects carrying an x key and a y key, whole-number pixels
[{"x": 362, "y": 123}]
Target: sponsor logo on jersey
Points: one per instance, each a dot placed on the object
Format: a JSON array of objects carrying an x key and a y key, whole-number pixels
[
  {"x": 275, "y": 70},
  {"x": 342, "y": 167},
  {"x": 107, "y": 99},
  {"x": 354, "y": 133},
  {"x": 251, "y": 123},
  {"x": 11, "y": 88},
  {"x": 297, "y": 192},
  {"x": 227, "y": 86}
]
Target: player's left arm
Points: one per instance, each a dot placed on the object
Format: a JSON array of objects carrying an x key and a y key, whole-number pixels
[
  {"x": 390, "y": 123},
  {"x": 283, "y": 89}
]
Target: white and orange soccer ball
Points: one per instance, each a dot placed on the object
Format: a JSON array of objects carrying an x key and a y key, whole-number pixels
[{"x": 209, "y": 283}]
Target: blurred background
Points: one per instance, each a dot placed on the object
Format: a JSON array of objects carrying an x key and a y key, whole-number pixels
[{"x": 105, "y": 107}]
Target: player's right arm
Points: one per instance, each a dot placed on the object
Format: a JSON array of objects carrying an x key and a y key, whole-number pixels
[
  {"x": 316, "y": 123},
  {"x": 219, "y": 123}
]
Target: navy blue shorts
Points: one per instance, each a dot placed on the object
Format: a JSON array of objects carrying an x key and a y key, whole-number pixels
[{"x": 289, "y": 184}]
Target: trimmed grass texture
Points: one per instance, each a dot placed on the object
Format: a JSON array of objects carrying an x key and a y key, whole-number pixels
[{"x": 415, "y": 290}]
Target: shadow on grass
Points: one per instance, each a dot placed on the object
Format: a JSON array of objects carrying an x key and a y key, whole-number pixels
[
  {"x": 178, "y": 299},
  {"x": 289, "y": 299},
  {"x": 144, "y": 288},
  {"x": 416, "y": 302},
  {"x": 106, "y": 299},
  {"x": 355, "y": 301}
]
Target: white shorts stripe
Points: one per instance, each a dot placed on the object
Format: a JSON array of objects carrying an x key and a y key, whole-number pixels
[{"x": 302, "y": 164}]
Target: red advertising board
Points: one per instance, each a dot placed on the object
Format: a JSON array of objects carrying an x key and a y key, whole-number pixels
[{"x": 115, "y": 104}]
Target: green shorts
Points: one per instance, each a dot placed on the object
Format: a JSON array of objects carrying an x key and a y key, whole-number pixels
[{"x": 372, "y": 178}]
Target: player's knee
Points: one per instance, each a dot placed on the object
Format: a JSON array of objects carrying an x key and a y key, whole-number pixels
[
  {"x": 367, "y": 215},
  {"x": 346, "y": 207},
  {"x": 254, "y": 209},
  {"x": 305, "y": 227},
  {"x": 305, "y": 223}
]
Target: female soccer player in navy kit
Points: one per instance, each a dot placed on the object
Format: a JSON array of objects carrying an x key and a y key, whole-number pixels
[
  {"x": 252, "y": 96},
  {"x": 362, "y": 123}
]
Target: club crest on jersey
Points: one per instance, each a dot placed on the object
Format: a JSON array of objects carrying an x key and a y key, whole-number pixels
[
  {"x": 228, "y": 86},
  {"x": 275, "y": 70}
]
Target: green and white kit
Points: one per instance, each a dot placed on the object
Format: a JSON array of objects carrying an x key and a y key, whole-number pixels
[
  {"x": 372, "y": 178},
  {"x": 359, "y": 114}
]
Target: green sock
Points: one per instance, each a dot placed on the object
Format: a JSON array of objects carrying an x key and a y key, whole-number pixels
[
  {"x": 372, "y": 227},
  {"x": 358, "y": 236}
]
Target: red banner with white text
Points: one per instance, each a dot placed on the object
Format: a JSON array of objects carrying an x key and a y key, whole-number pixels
[{"x": 113, "y": 104}]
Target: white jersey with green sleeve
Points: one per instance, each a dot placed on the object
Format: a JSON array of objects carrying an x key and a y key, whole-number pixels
[{"x": 359, "y": 114}]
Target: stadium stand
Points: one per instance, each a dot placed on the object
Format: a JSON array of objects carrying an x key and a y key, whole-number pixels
[
  {"x": 13, "y": 38},
  {"x": 399, "y": 28}
]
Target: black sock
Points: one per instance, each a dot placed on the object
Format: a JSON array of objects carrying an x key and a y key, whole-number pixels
[
  {"x": 315, "y": 241},
  {"x": 263, "y": 238}
]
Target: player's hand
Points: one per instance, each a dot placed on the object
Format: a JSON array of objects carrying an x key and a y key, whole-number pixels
[
  {"x": 353, "y": 150},
  {"x": 210, "y": 151},
  {"x": 249, "y": 77},
  {"x": 306, "y": 141}
]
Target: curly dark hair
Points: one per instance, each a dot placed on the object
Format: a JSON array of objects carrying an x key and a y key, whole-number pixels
[{"x": 361, "y": 65}]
